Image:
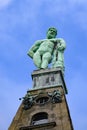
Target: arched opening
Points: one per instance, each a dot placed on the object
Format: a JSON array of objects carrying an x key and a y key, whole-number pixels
[
  {"x": 39, "y": 118},
  {"x": 42, "y": 100}
]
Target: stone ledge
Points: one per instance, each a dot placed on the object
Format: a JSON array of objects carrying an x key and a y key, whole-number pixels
[
  {"x": 45, "y": 125},
  {"x": 49, "y": 70},
  {"x": 40, "y": 88}
]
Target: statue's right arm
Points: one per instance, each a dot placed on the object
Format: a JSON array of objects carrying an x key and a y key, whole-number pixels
[{"x": 34, "y": 48}]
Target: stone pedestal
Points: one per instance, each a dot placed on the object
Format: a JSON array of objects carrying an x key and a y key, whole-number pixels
[{"x": 48, "y": 78}]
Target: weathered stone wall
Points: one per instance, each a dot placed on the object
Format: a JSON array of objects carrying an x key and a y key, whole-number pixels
[{"x": 58, "y": 112}]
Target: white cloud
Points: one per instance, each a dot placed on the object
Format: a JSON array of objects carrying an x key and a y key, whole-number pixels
[{"x": 4, "y": 3}]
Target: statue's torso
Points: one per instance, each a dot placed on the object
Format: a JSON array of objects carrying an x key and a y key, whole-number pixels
[{"x": 46, "y": 46}]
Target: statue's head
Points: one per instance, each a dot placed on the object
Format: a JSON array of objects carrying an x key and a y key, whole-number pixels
[{"x": 51, "y": 33}]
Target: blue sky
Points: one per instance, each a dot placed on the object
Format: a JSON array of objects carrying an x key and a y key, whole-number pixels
[{"x": 22, "y": 22}]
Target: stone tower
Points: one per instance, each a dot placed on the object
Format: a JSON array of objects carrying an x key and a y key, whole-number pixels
[{"x": 45, "y": 106}]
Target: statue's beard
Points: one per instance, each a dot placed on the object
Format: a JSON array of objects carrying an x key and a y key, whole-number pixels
[{"x": 51, "y": 36}]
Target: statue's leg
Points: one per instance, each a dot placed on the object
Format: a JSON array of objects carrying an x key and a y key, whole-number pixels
[
  {"x": 37, "y": 59},
  {"x": 45, "y": 60}
]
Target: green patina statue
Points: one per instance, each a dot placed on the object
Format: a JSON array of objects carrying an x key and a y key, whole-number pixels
[
  {"x": 28, "y": 101},
  {"x": 48, "y": 50},
  {"x": 56, "y": 96}
]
